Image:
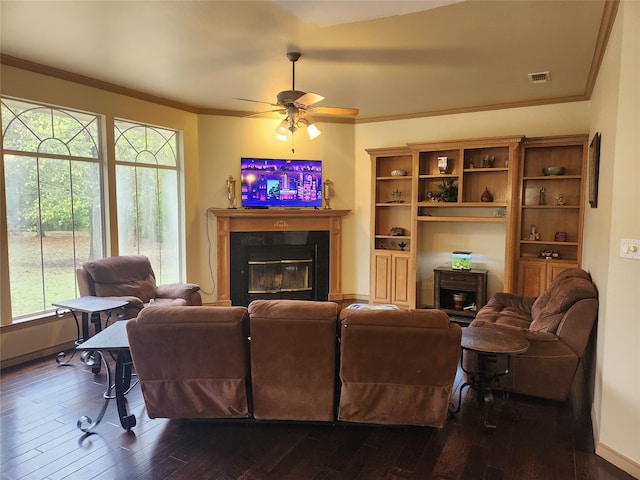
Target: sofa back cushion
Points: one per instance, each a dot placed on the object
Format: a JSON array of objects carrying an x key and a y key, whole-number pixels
[
  {"x": 192, "y": 361},
  {"x": 293, "y": 359},
  {"x": 569, "y": 287},
  {"x": 397, "y": 366},
  {"x": 127, "y": 275}
]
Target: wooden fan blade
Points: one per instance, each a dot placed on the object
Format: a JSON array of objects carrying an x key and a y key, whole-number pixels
[
  {"x": 308, "y": 99},
  {"x": 256, "y": 101},
  {"x": 335, "y": 111},
  {"x": 277, "y": 110}
]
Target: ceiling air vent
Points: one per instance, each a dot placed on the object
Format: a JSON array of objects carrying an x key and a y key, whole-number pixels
[{"x": 540, "y": 77}]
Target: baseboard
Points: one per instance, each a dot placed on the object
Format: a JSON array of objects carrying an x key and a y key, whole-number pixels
[
  {"x": 38, "y": 354},
  {"x": 610, "y": 455}
]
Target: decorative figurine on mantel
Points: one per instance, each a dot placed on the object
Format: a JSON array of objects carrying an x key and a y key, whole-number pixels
[
  {"x": 231, "y": 192},
  {"x": 327, "y": 193},
  {"x": 560, "y": 200},
  {"x": 533, "y": 233}
]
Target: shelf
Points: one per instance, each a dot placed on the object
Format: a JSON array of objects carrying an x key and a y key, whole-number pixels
[
  {"x": 426, "y": 218},
  {"x": 395, "y": 237},
  {"x": 439, "y": 175},
  {"x": 395, "y": 177},
  {"x": 486, "y": 170},
  {"x": 553, "y": 177},
  {"x": 550, "y": 242},
  {"x": 394, "y": 204},
  {"x": 552, "y": 207}
]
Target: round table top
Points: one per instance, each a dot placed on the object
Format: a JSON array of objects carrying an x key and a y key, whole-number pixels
[{"x": 492, "y": 340}]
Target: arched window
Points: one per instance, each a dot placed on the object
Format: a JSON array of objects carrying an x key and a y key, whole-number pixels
[{"x": 53, "y": 198}]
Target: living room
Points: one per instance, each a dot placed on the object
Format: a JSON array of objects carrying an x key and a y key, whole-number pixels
[{"x": 213, "y": 145}]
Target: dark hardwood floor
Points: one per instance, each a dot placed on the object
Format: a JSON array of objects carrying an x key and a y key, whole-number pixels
[{"x": 41, "y": 402}]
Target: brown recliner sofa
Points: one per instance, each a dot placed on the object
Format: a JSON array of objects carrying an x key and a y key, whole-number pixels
[
  {"x": 188, "y": 369},
  {"x": 557, "y": 324},
  {"x": 131, "y": 278},
  {"x": 192, "y": 362},
  {"x": 397, "y": 366}
]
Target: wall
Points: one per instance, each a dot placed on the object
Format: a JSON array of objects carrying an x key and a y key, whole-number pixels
[
  {"x": 485, "y": 241},
  {"x": 615, "y": 113}
]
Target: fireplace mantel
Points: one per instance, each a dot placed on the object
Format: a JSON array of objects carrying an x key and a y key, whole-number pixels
[{"x": 270, "y": 220}]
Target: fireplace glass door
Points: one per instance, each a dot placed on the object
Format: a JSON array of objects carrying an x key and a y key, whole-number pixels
[{"x": 277, "y": 276}]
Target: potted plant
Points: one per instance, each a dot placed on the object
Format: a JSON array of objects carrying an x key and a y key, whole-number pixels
[{"x": 448, "y": 191}]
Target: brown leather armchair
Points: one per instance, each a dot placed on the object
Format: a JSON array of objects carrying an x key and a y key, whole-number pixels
[
  {"x": 131, "y": 278},
  {"x": 558, "y": 325}
]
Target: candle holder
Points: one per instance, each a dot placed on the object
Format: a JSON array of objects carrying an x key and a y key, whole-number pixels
[
  {"x": 327, "y": 193},
  {"x": 231, "y": 192}
]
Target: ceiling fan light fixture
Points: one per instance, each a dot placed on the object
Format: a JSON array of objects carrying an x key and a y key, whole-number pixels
[
  {"x": 313, "y": 131},
  {"x": 282, "y": 130}
]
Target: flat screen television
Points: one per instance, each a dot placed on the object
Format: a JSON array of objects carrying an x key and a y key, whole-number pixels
[{"x": 270, "y": 182}]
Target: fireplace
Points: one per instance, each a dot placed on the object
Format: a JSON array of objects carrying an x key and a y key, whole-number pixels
[
  {"x": 278, "y": 254},
  {"x": 268, "y": 265}
]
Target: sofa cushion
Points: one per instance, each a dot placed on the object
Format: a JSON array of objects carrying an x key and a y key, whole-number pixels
[
  {"x": 568, "y": 288},
  {"x": 131, "y": 275}
]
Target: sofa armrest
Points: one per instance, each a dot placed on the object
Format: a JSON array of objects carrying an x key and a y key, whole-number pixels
[
  {"x": 511, "y": 300},
  {"x": 187, "y": 291}
]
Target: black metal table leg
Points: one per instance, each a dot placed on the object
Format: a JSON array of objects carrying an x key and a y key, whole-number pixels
[
  {"x": 85, "y": 423},
  {"x": 123, "y": 385},
  {"x": 60, "y": 358}
]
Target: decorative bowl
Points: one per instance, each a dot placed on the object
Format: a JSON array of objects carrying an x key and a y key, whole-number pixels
[
  {"x": 398, "y": 173},
  {"x": 553, "y": 170}
]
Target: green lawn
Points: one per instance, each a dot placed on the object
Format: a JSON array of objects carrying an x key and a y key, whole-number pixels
[{"x": 30, "y": 292}]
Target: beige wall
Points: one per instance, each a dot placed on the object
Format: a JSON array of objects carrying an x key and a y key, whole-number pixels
[{"x": 615, "y": 108}]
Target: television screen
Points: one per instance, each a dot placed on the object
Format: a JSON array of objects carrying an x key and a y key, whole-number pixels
[{"x": 268, "y": 182}]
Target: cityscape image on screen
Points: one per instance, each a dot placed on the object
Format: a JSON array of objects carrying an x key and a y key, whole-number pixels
[{"x": 268, "y": 182}]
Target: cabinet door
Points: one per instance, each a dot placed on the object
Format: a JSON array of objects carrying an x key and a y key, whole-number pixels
[
  {"x": 532, "y": 278},
  {"x": 400, "y": 280},
  {"x": 554, "y": 269},
  {"x": 381, "y": 278}
]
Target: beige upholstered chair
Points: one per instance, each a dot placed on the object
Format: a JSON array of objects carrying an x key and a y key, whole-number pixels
[
  {"x": 131, "y": 278},
  {"x": 192, "y": 361}
]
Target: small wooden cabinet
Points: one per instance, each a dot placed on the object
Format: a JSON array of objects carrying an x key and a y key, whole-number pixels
[
  {"x": 472, "y": 283},
  {"x": 391, "y": 283},
  {"x": 535, "y": 276}
]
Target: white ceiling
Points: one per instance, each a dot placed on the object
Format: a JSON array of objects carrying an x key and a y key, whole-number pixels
[{"x": 447, "y": 56}]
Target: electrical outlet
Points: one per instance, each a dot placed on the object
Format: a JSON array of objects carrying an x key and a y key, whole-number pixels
[{"x": 630, "y": 248}]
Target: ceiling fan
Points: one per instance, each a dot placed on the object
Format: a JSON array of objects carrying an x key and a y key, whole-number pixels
[{"x": 297, "y": 105}]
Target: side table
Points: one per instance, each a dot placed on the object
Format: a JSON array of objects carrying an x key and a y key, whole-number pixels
[
  {"x": 91, "y": 308},
  {"x": 448, "y": 282},
  {"x": 488, "y": 343},
  {"x": 112, "y": 339}
]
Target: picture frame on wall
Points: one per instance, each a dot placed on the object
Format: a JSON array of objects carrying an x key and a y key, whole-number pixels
[{"x": 594, "y": 170}]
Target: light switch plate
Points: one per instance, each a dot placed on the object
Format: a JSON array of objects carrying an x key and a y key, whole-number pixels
[{"x": 630, "y": 248}]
